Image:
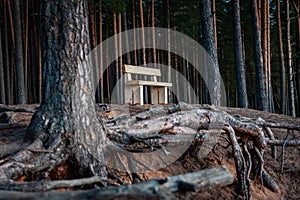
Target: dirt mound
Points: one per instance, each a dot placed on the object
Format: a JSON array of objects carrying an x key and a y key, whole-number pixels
[{"x": 285, "y": 169}]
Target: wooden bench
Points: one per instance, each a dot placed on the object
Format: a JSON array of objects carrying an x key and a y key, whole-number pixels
[{"x": 134, "y": 89}]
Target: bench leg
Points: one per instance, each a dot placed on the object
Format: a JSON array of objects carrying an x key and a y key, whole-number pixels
[
  {"x": 134, "y": 94},
  {"x": 159, "y": 95}
]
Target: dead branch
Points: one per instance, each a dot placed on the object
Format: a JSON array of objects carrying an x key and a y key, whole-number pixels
[
  {"x": 38, "y": 186},
  {"x": 5, "y": 108},
  {"x": 153, "y": 189}
]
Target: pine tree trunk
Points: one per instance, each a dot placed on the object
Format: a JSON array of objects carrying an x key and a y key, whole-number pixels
[
  {"x": 262, "y": 99},
  {"x": 8, "y": 35},
  {"x": 290, "y": 64},
  {"x": 135, "y": 61},
  {"x": 66, "y": 124},
  {"x": 214, "y": 13},
  {"x": 297, "y": 9},
  {"x": 117, "y": 66},
  {"x": 142, "y": 29},
  {"x": 127, "y": 56},
  {"x": 210, "y": 46},
  {"x": 2, "y": 83},
  {"x": 19, "y": 58},
  {"x": 282, "y": 64},
  {"x": 153, "y": 30},
  {"x": 120, "y": 100},
  {"x": 239, "y": 59},
  {"x": 100, "y": 48}
]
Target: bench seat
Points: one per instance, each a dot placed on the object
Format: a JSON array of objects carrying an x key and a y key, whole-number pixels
[{"x": 134, "y": 90}]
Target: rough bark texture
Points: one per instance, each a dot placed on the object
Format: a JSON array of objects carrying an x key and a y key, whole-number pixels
[
  {"x": 210, "y": 47},
  {"x": 66, "y": 125},
  {"x": 239, "y": 60}
]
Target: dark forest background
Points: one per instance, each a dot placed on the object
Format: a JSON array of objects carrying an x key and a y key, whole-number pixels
[{"x": 278, "y": 24}]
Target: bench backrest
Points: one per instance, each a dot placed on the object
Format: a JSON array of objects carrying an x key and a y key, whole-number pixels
[{"x": 131, "y": 69}]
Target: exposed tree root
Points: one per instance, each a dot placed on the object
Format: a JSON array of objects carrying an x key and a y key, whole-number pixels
[{"x": 160, "y": 128}]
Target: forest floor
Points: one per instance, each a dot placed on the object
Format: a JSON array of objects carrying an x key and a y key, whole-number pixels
[{"x": 13, "y": 130}]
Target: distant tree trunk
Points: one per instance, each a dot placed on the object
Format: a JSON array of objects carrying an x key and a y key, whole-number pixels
[
  {"x": 19, "y": 59},
  {"x": 281, "y": 61},
  {"x": 264, "y": 41},
  {"x": 121, "y": 57},
  {"x": 128, "y": 58},
  {"x": 2, "y": 82},
  {"x": 142, "y": 31},
  {"x": 9, "y": 98},
  {"x": 11, "y": 48},
  {"x": 29, "y": 91},
  {"x": 270, "y": 90},
  {"x": 290, "y": 65},
  {"x": 100, "y": 48},
  {"x": 117, "y": 66},
  {"x": 297, "y": 7},
  {"x": 134, "y": 33},
  {"x": 210, "y": 46},
  {"x": 214, "y": 12},
  {"x": 262, "y": 99},
  {"x": 153, "y": 30},
  {"x": 239, "y": 59}
]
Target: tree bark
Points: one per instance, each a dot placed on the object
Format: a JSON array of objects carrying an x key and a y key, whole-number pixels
[
  {"x": 297, "y": 9},
  {"x": 239, "y": 59},
  {"x": 142, "y": 31},
  {"x": 262, "y": 99},
  {"x": 19, "y": 59},
  {"x": 66, "y": 126},
  {"x": 290, "y": 64},
  {"x": 6, "y": 56},
  {"x": 210, "y": 46},
  {"x": 281, "y": 61},
  {"x": 153, "y": 30},
  {"x": 2, "y": 83}
]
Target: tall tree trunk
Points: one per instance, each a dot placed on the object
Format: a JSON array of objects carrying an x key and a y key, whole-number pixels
[
  {"x": 153, "y": 30},
  {"x": 142, "y": 31},
  {"x": 7, "y": 79},
  {"x": 66, "y": 126},
  {"x": 210, "y": 46},
  {"x": 262, "y": 100},
  {"x": 214, "y": 12},
  {"x": 120, "y": 100},
  {"x": 117, "y": 66},
  {"x": 2, "y": 82},
  {"x": 134, "y": 25},
  {"x": 11, "y": 48},
  {"x": 297, "y": 8},
  {"x": 100, "y": 48},
  {"x": 128, "y": 58},
  {"x": 239, "y": 59},
  {"x": 264, "y": 41},
  {"x": 290, "y": 64},
  {"x": 281, "y": 61},
  {"x": 19, "y": 59}
]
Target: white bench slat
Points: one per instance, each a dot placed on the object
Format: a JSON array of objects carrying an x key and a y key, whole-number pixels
[
  {"x": 141, "y": 70},
  {"x": 149, "y": 83}
]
